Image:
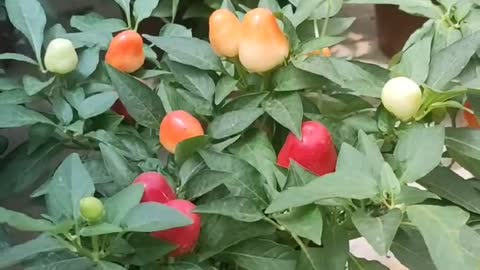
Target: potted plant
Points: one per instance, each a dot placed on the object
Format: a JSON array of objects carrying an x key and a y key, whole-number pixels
[{"x": 253, "y": 150}]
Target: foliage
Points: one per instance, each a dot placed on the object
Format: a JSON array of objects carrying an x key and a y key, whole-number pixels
[{"x": 255, "y": 214}]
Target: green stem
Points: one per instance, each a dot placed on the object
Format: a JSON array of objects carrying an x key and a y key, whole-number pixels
[
  {"x": 325, "y": 24},
  {"x": 315, "y": 28},
  {"x": 275, "y": 224},
  {"x": 95, "y": 248},
  {"x": 304, "y": 249},
  {"x": 267, "y": 80}
]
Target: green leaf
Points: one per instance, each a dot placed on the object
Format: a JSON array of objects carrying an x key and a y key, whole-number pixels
[
  {"x": 190, "y": 168},
  {"x": 175, "y": 30},
  {"x": 220, "y": 232},
  {"x": 304, "y": 10},
  {"x": 117, "y": 166},
  {"x": 97, "y": 104},
  {"x": 142, "y": 9},
  {"x": 88, "y": 39},
  {"x": 16, "y": 254},
  {"x": 204, "y": 182},
  {"x": 388, "y": 180},
  {"x": 409, "y": 247},
  {"x": 23, "y": 222},
  {"x": 418, "y": 151},
  {"x": 148, "y": 249},
  {"x": 20, "y": 169},
  {"x": 17, "y": 57},
  {"x": 362, "y": 264},
  {"x": 231, "y": 123},
  {"x": 88, "y": 62},
  {"x": 152, "y": 217},
  {"x": 125, "y": 5},
  {"x": 287, "y": 110},
  {"x": 95, "y": 22},
  {"x": 238, "y": 208},
  {"x": 62, "y": 109},
  {"x": 70, "y": 183},
  {"x": 449, "y": 62},
  {"x": 104, "y": 265},
  {"x": 17, "y": 116},
  {"x": 290, "y": 78},
  {"x": 441, "y": 227},
  {"x": 245, "y": 101},
  {"x": 305, "y": 221},
  {"x": 29, "y": 18},
  {"x": 334, "y": 253},
  {"x": 77, "y": 263},
  {"x": 189, "y": 51},
  {"x": 262, "y": 254},
  {"x": 195, "y": 80},
  {"x": 15, "y": 97},
  {"x": 415, "y": 61},
  {"x": 244, "y": 181},
  {"x": 336, "y": 26},
  {"x": 379, "y": 231},
  {"x": 142, "y": 103},
  {"x": 187, "y": 148},
  {"x": 318, "y": 44},
  {"x": 117, "y": 206},
  {"x": 225, "y": 86},
  {"x": 298, "y": 176},
  {"x": 32, "y": 85},
  {"x": 9, "y": 84},
  {"x": 344, "y": 73},
  {"x": 191, "y": 101},
  {"x": 337, "y": 185},
  {"x": 449, "y": 185},
  {"x": 256, "y": 149},
  {"x": 463, "y": 140},
  {"x": 412, "y": 195},
  {"x": 270, "y": 4},
  {"x": 100, "y": 229},
  {"x": 368, "y": 146}
]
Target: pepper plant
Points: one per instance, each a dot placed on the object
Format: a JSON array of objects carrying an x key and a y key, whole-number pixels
[{"x": 252, "y": 147}]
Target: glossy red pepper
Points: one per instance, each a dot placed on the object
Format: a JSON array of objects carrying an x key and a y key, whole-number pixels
[
  {"x": 185, "y": 238},
  {"x": 156, "y": 188},
  {"x": 315, "y": 151}
]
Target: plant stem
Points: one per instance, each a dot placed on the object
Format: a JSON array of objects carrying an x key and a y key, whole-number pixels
[
  {"x": 275, "y": 224},
  {"x": 304, "y": 249},
  {"x": 325, "y": 24},
  {"x": 95, "y": 247},
  {"x": 315, "y": 28},
  {"x": 267, "y": 80}
]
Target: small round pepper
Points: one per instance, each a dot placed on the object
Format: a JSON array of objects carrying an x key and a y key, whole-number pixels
[
  {"x": 125, "y": 52},
  {"x": 92, "y": 209},
  {"x": 60, "y": 56}
]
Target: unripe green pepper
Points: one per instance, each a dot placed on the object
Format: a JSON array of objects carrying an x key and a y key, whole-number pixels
[
  {"x": 92, "y": 209},
  {"x": 61, "y": 56}
]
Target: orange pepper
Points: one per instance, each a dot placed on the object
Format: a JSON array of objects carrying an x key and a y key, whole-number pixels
[
  {"x": 178, "y": 126},
  {"x": 125, "y": 52},
  {"x": 224, "y": 33},
  {"x": 263, "y": 45}
]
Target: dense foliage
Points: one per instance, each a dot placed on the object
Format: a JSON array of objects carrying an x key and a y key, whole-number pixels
[{"x": 257, "y": 150}]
